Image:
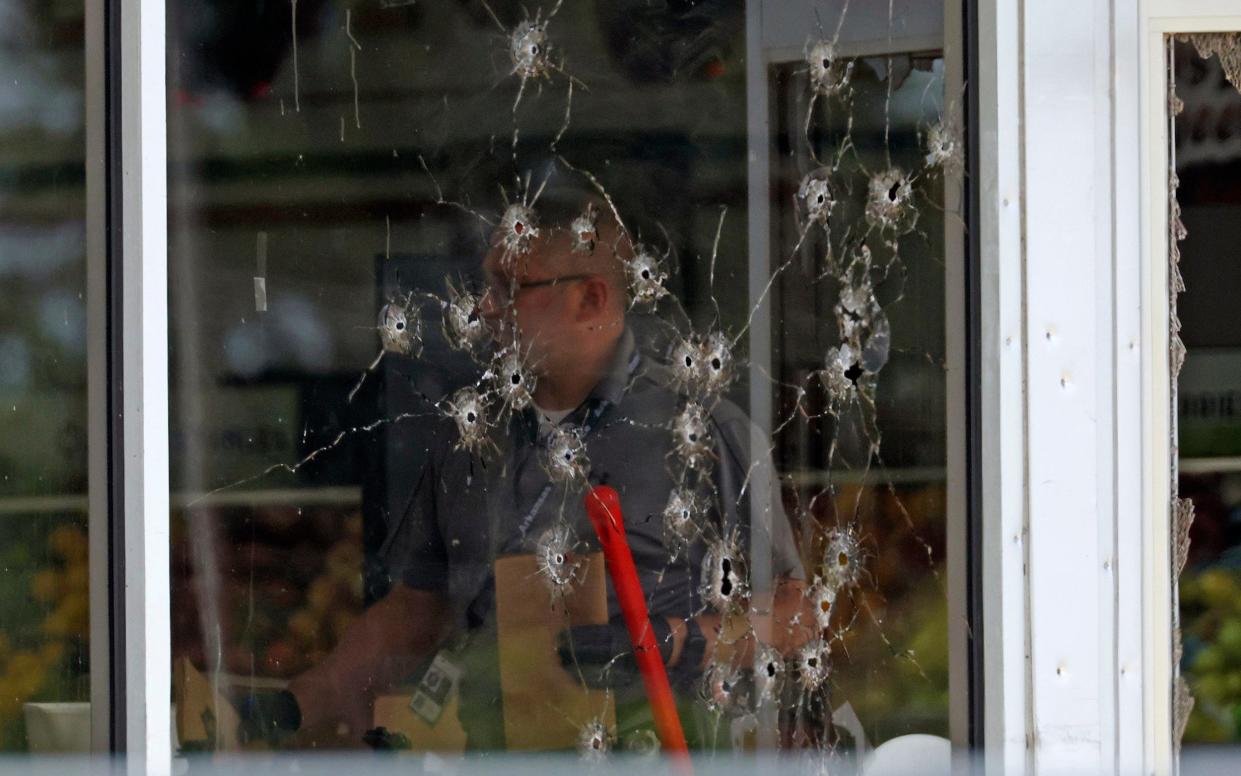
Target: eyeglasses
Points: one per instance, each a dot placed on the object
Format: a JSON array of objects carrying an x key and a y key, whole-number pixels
[{"x": 505, "y": 292}]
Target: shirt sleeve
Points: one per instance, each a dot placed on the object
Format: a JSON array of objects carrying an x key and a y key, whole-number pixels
[
  {"x": 415, "y": 551},
  {"x": 750, "y": 497}
]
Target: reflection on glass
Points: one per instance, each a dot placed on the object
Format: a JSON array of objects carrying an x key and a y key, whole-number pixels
[
  {"x": 43, "y": 550},
  {"x": 440, "y": 271},
  {"x": 1208, "y": 157}
]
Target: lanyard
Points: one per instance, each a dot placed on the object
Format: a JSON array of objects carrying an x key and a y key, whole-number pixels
[{"x": 597, "y": 408}]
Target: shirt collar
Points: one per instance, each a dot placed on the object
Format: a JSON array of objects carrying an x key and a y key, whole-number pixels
[
  {"x": 610, "y": 389},
  {"x": 624, "y": 360}
]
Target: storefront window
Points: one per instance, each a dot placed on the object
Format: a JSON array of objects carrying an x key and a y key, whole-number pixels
[
  {"x": 437, "y": 271},
  {"x": 1208, "y": 168},
  {"x": 44, "y": 608}
]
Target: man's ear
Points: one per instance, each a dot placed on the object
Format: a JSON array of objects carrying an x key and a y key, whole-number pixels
[{"x": 593, "y": 300}]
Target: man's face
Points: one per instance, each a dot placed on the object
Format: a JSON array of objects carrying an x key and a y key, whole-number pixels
[{"x": 539, "y": 317}]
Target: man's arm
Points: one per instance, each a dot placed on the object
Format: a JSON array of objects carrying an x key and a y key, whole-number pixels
[{"x": 377, "y": 650}]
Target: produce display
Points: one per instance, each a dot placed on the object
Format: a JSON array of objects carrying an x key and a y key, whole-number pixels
[
  {"x": 289, "y": 581},
  {"x": 44, "y": 595},
  {"x": 1211, "y": 612},
  {"x": 1210, "y": 608}
]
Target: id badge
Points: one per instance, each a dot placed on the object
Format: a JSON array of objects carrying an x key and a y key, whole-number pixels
[{"x": 431, "y": 695}]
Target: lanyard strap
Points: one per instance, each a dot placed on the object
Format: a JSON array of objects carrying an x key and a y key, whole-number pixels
[
  {"x": 592, "y": 417},
  {"x": 597, "y": 408}
]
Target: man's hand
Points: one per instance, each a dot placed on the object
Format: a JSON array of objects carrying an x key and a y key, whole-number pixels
[
  {"x": 267, "y": 715},
  {"x": 604, "y": 653}
]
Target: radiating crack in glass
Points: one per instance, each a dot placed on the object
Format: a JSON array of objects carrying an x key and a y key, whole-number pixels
[
  {"x": 531, "y": 53},
  {"x": 585, "y": 231},
  {"x": 564, "y": 456},
  {"x": 828, "y": 71},
  {"x": 470, "y": 411},
  {"x": 691, "y": 435},
  {"x": 558, "y": 554},
  {"x": 889, "y": 203},
  {"x": 595, "y": 741},
  {"x": 400, "y": 333},
  {"x": 647, "y": 272},
  {"x": 297, "y": 86},
  {"x": 519, "y": 225},
  {"x": 683, "y": 518},
  {"x": 511, "y": 378},
  {"x": 464, "y": 327},
  {"x": 725, "y": 578},
  {"x": 354, "y": 48}
]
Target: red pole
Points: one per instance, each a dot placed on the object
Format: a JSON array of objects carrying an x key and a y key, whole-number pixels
[{"x": 603, "y": 507}]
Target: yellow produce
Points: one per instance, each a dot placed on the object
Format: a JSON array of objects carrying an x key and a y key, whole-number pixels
[
  {"x": 68, "y": 542},
  {"x": 46, "y": 585}
]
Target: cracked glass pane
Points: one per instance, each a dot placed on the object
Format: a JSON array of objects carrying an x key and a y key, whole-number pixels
[
  {"x": 449, "y": 278},
  {"x": 1206, "y": 278}
]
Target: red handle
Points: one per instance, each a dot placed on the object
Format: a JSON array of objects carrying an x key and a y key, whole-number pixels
[{"x": 603, "y": 507}]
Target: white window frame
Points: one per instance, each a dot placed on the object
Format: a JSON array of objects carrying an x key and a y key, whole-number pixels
[
  {"x": 774, "y": 41},
  {"x": 1161, "y": 18},
  {"x": 127, "y": 382}
]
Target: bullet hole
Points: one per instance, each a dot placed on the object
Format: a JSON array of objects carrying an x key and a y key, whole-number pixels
[
  {"x": 519, "y": 226},
  {"x": 585, "y": 231},
  {"x": 829, "y": 74},
  {"x": 594, "y": 741},
  {"x": 944, "y": 150},
  {"x": 822, "y": 598},
  {"x": 510, "y": 378},
  {"x": 400, "y": 330},
  {"x": 530, "y": 50},
  {"x": 769, "y": 674},
  {"x": 463, "y": 325},
  {"x": 557, "y": 559},
  {"x": 811, "y": 665},
  {"x": 842, "y": 563},
  {"x": 889, "y": 202},
  {"x": 860, "y": 319},
  {"x": 717, "y": 360},
  {"x": 646, "y": 275},
  {"x": 722, "y": 689},
  {"x": 469, "y": 412},
  {"x": 565, "y": 459},
  {"x": 724, "y": 585},
  {"x": 691, "y": 437},
  {"x": 816, "y": 198},
  {"x": 840, "y": 375},
  {"x": 701, "y": 366},
  {"x": 682, "y": 518}
]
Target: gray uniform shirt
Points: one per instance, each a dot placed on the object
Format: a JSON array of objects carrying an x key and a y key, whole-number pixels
[{"x": 465, "y": 509}]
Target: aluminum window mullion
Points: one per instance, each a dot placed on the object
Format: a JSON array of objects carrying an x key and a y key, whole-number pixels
[
  {"x": 97, "y": 389},
  {"x": 128, "y": 382}
]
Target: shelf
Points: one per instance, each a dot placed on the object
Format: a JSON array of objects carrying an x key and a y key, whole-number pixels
[{"x": 335, "y": 495}]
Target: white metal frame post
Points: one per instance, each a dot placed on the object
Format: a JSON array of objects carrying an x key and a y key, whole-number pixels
[
  {"x": 1002, "y": 367},
  {"x": 143, "y": 320},
  {"x": 1070, "y": 683}
]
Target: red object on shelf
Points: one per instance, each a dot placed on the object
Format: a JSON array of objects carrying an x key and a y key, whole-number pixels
[{"x": 603, "y": 507}]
